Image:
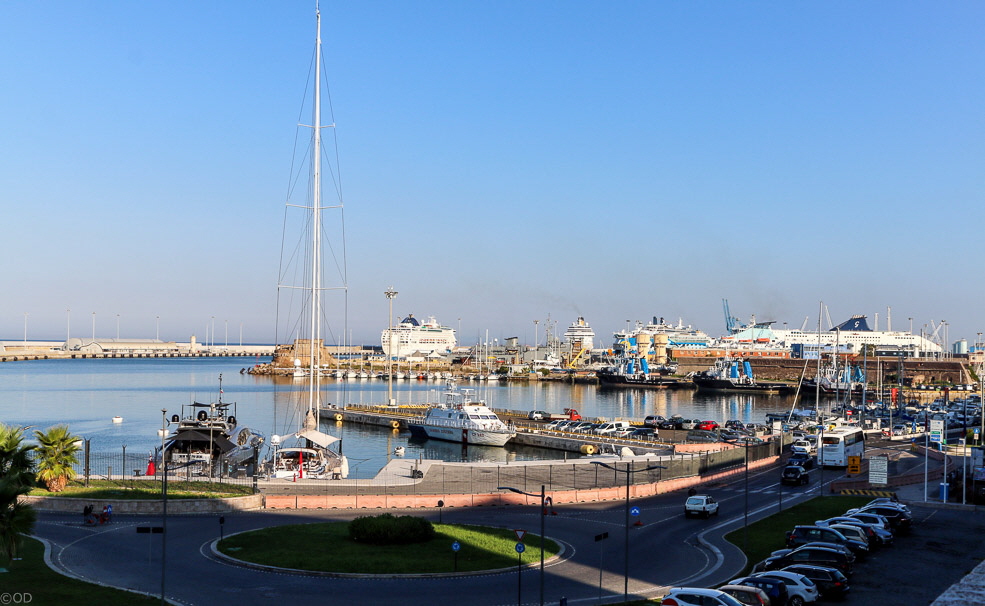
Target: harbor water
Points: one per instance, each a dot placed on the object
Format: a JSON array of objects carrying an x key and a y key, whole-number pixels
[{"x": 87, "y": 394}]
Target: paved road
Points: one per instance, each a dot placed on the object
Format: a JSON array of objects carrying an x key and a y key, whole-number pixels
[{"x": 664, "y": 550}]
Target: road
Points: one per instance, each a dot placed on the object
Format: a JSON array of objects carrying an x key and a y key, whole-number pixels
[{"x": 664, "y": 550}]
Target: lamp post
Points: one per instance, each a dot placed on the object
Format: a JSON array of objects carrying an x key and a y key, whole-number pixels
[
  {"x": 212, "y": 343},
  {"x": 93, "y": 327},
  {"x": 543, "y": 514},
  {"x": 117, "y": 327},
  {"x": 164, "y": 501},
  {"x": 25, "y": 329},
  {"x": 390, "y": 294},
  {"x": 227, "y": 334},
  {"x": 157, "y": 334},
  {"x": 629, "y": 471},
  {"x": 68, "y": 325}
]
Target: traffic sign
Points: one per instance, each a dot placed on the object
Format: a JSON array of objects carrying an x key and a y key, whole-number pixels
[
  {"x": 456, "y": 546},
  {"x": 854, "y": 464},
  {"x": 520, "y": 547},
  {"x": 519, "y": 534},
  {"x": 634, "y": 511}
]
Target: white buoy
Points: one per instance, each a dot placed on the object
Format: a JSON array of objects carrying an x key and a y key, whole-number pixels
[
  {"x": 117, "y": 419},
  {"x": 399, "y": 451}
]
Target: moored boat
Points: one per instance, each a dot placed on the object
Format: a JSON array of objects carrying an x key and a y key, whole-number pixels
[
  {"x": 458, "y": 419},
  {"x": 735, "y": 375}
]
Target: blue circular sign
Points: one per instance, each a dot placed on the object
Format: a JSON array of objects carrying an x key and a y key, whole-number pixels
[
  {"x": 634, "y": 511},
  {"x": 455, "y": 546},
  {"x": 520, "y": 547}
]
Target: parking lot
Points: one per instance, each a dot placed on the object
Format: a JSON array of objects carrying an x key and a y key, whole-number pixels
[{"x": 943, "y": 546}]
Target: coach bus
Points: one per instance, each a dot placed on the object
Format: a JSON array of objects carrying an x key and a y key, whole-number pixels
[{"x": 837, "y": 445}]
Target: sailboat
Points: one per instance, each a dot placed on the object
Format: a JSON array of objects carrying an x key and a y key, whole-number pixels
[{"x": 308, "y": 452}]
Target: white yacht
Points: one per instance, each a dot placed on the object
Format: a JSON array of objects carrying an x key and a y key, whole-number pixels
[
  {"x": 411, "y": 336},
  {"x": 457, "y": 419}
]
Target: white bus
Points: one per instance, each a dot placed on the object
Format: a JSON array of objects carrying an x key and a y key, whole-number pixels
[{"x": 837, "y": 445}]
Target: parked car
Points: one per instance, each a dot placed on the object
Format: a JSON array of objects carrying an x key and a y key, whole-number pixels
[
  {"x": 653, "y": 420},
  {"x": 702, "y": 436},
  {"x": 700, "y": 505},
  {"x": 798, "y": 586},
  {"x": 735, "y": 424},
  {"x": 747, "y": 594},
  {"x": 807, "y": 554},
  {"x": 876, "y": 534},
  {"x": 538, "y": 415},
  {"x": 890, "y": 502},
  {"x": 671, "y": 423},
  {"x": 830, "y": 581},
  {"x": 898, "y": 519},
  {"x": 872, "y": 518},
  {"x": 706, "y": 425},
  {"x": 621, "y": 433},
  {"x": 688, "y": 423},
  {"x": 795, "y": 475},
  {"x": 644, "y": 433},
  {"x": 697, "y": 596},
  {"x": 730, "y": 435},
  {"x": 801, "y": 535},
  {"x": 803, "y": 459},
  {"x": 853, "y": 532},
  {"x": 611, "y": 426},
  {"x": 749, "y": 441},
  {"x": 775, "y": 590}
]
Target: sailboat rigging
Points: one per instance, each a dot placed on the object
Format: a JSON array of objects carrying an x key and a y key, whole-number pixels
[{"x": 315, "y": 454}]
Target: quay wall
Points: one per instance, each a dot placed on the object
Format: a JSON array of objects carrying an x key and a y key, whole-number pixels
[
  {"x": 144, "y": 507},
  {"x": 588, "y": 495}
]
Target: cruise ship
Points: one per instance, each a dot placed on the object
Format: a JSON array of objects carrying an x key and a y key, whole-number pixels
[
  {"x": 580, "y": 335},
  {"x": 411, "y": 337},
  {"x": 678, "y": 336},
  {"x": 850, "y": 336}
]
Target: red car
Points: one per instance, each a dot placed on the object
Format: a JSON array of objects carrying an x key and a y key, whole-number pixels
[{"x": 707, "y": 425}]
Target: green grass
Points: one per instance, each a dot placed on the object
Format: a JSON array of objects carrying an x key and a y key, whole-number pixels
[
  {"x": 769, "y": 534},
  {"x": 31, "y": 575},
  {"x": 146, "y": 490},
  {"x": 326, "y": 547}
]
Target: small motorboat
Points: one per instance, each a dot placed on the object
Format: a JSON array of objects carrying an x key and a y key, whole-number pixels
[
  {"x": 399, "y": 451},
  {"x": 117, "y": 419}
]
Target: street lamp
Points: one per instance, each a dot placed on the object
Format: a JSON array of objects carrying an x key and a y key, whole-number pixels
[
  {"x": 390, "y": 294},
  {"x": 543, "y": 514},
  {"x": 629, "y": 472},
  {"x": 68, "y": 325},
  {"x": 93, "y": 327},
  {"x": 117, "y": 327},
  {"x": 158, "y": 326},
  {"x": 25, "y": 329}
]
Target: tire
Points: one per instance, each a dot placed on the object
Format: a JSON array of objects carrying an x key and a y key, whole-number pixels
[{"x": 796, "y": 600}]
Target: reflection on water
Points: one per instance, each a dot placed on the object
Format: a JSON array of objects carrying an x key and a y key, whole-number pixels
[{"x": 86, "y": 394}]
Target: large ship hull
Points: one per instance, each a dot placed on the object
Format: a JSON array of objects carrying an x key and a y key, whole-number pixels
[
  {"x": 478, "y": 437},
  {"x": 725, "y": 385},
  {"x": 615, "y": 379}
]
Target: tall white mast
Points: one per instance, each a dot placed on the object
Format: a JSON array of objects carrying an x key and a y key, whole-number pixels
[{"x": 314, "y": 349}]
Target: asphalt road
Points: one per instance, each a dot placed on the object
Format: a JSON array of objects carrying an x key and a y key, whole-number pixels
[{"x": 665, "y": 550}]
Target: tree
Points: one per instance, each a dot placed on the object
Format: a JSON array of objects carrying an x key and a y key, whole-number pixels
[
  {"x": 16, "y": 479},
  {"x": 56, "y": 455},
  {"x": 15, "y": 456}
]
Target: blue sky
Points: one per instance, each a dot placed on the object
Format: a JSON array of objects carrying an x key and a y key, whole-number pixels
[{"x": 500, "y": 161}]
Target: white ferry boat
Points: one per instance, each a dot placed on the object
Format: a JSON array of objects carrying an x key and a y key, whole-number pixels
[
  {"x": 411, "y": 336},
  {"x": 851, "y": 336},
  {"x": 457, "y": 419}
]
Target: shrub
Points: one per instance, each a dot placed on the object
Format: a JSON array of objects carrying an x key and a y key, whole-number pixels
[{"x": 385, "y": 529}]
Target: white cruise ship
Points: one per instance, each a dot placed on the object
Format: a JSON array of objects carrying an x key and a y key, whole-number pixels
[
  {"x": 580, "y": 334},
  {"x": 679, "y": 336},
  {"x": 410, "y": 337}
]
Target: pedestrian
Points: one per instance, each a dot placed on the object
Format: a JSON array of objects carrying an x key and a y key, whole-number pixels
[
  {"x": 87, "y": 517},
  {"x": 104, "y": 517}
]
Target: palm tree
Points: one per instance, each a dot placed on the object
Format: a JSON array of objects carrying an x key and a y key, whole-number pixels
[
  {"x": 16, "y": 478},
  {"x": 56, "y": 456},
  {"x": 16, "y": 519},
  {"x": 15, "y": 456}
]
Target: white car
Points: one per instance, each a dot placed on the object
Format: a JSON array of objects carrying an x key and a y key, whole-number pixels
[
  {"x": 801, "y": 446},
  {"x": 700, "y": 505},
  {"x": 697, "y": 596},
  {"x": 798, "y": 586}
]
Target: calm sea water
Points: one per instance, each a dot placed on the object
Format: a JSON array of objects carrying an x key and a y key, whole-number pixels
[{"x": 87, "y": 394}]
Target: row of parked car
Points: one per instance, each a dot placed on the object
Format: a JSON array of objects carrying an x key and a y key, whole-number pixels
[
  {"x": 817, "y": 563},
  {"x": 612, "y": 429}
]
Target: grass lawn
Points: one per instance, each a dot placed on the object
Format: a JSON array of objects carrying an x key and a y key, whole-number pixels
[
  {"x": 327, "y": 547},
  {"x": 769, "y": 534},
  {"x": 31, "y": 575},
  {"x": 146, "y": 490}
]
